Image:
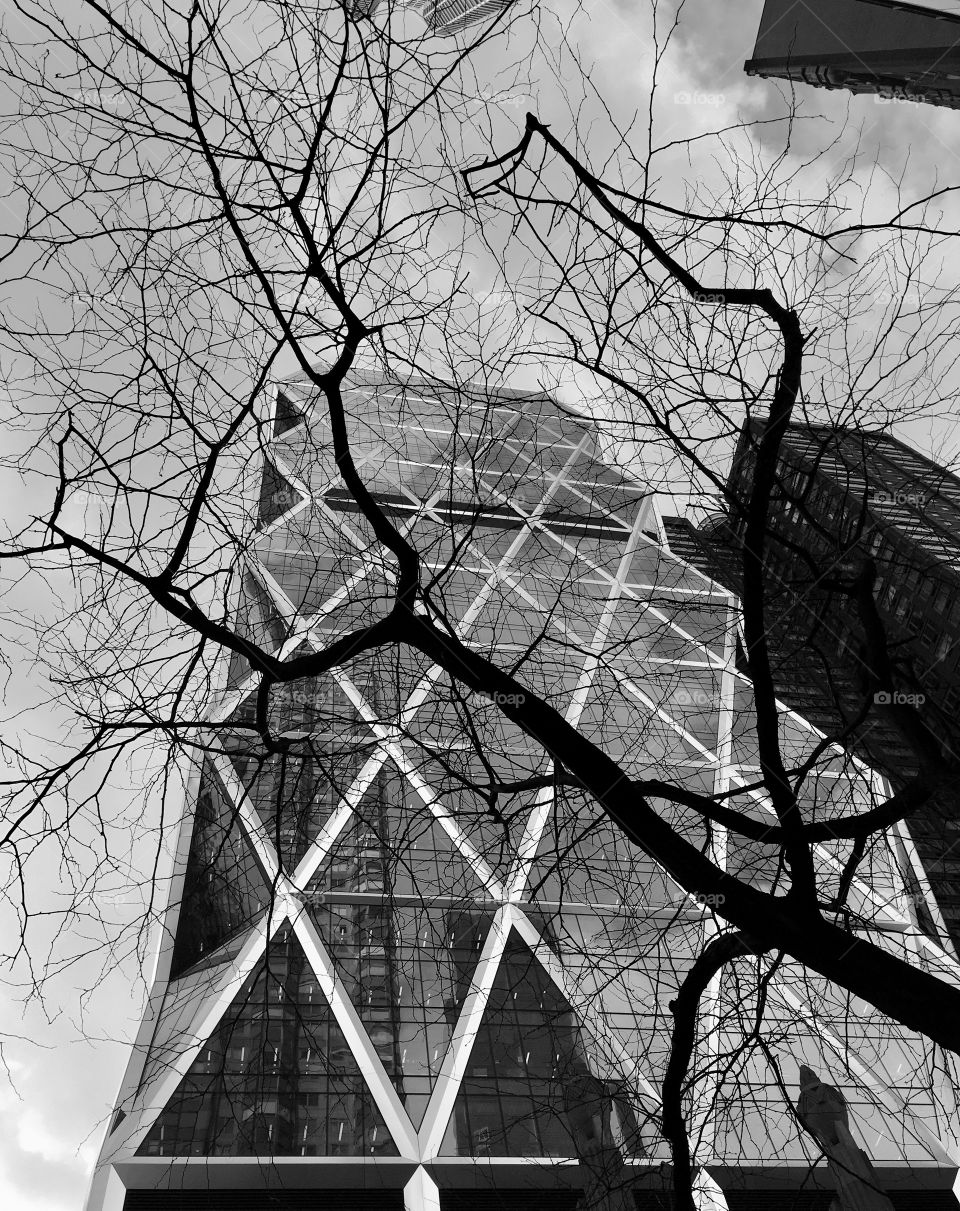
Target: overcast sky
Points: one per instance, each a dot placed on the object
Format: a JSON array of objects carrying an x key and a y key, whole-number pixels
[{"x": 64, "y": 1072}]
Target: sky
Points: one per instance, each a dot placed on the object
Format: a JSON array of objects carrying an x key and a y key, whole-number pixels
[{"x": 64, "y": 1058}]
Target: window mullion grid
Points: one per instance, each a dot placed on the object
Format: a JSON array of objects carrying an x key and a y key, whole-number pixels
[
  {"x": 152, "y": 1098},
  {"x": 457, "y": 1056},
  {"x": 338, "y": 821},
  {"x": 389, "y": 739},
  {"x": 586, "y": 1010},
  {"x": 878, "y": 1086},
  {"x": 546, "y": 799},
  {"x": 348, "y": 1020}
]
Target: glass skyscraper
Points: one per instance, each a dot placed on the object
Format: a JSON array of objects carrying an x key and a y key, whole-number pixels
[
  {"x": 442, "y": 16},
  {"x": 406, "y": 961}
]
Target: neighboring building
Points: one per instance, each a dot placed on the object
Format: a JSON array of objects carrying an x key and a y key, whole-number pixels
[
  {"x": 907, "y": 51},
  {"x": 843, "y": 497},
  {"x": 383, "y": 986}
]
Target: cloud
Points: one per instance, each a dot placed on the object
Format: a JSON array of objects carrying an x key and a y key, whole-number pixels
[{"x": 45, "y": 1121}]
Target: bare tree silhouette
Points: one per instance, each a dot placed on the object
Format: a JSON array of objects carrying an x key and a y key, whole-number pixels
[{"x": 206, "y": 203}]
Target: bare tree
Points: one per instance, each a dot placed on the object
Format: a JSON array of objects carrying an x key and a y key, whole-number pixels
[
  {"x": 209, "y": 201},
  {"x": 614, "y": 298}
]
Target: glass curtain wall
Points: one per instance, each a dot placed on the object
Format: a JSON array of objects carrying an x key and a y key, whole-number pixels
[{"x": 401, "y": 936}]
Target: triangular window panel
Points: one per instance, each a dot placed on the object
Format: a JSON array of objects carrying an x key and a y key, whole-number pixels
[
  {"x": 579, "y": 547},
  {"x": 798, "y": 1038},
  {"x": 653, "y": 565},
  {"x": 602, "y": 492},
  {"x": 528, "y": 1089},
  {"x": 709, "y": 620},
  {"x": 287, "y": 416},
  {"x": 184, "y": 1000},
  {"x": 691, "y": 698},
  {"x": 645, "y": 728},
  {"x": 404, "y": 919},
  {"x": 276, "y": 1078},
  {"x": 501, "y": 624},
  {"x": 277, "y": 495},
  {"x": 410, "y": 853},
  {"x": 224, "y": 888},
  {"x": 309, "y": 580},
  {"x": 258, "y": 620},
  {"x": 321, "y": 531},
  {"x": 323, "y": 573},
  {"x": 650, "y": 630},
  {"x": 569, "y": 606},
  {"x": 220, "y": 955},
  {"x": 585, "y": 860},
  {"x": 492, "y": 815},
  {"x": 296, "y": 791}
]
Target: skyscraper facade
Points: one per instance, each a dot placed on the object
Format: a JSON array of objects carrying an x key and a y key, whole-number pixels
[
  {"x": 406, "y": 963},
  {"x": 844, "y": 497},
  {"x": 903, "y": 51}
]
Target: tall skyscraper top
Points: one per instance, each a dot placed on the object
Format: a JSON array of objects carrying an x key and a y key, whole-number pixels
[
  {"x": 876, "y": 46},
  {"x": 442, "y": 16}
]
